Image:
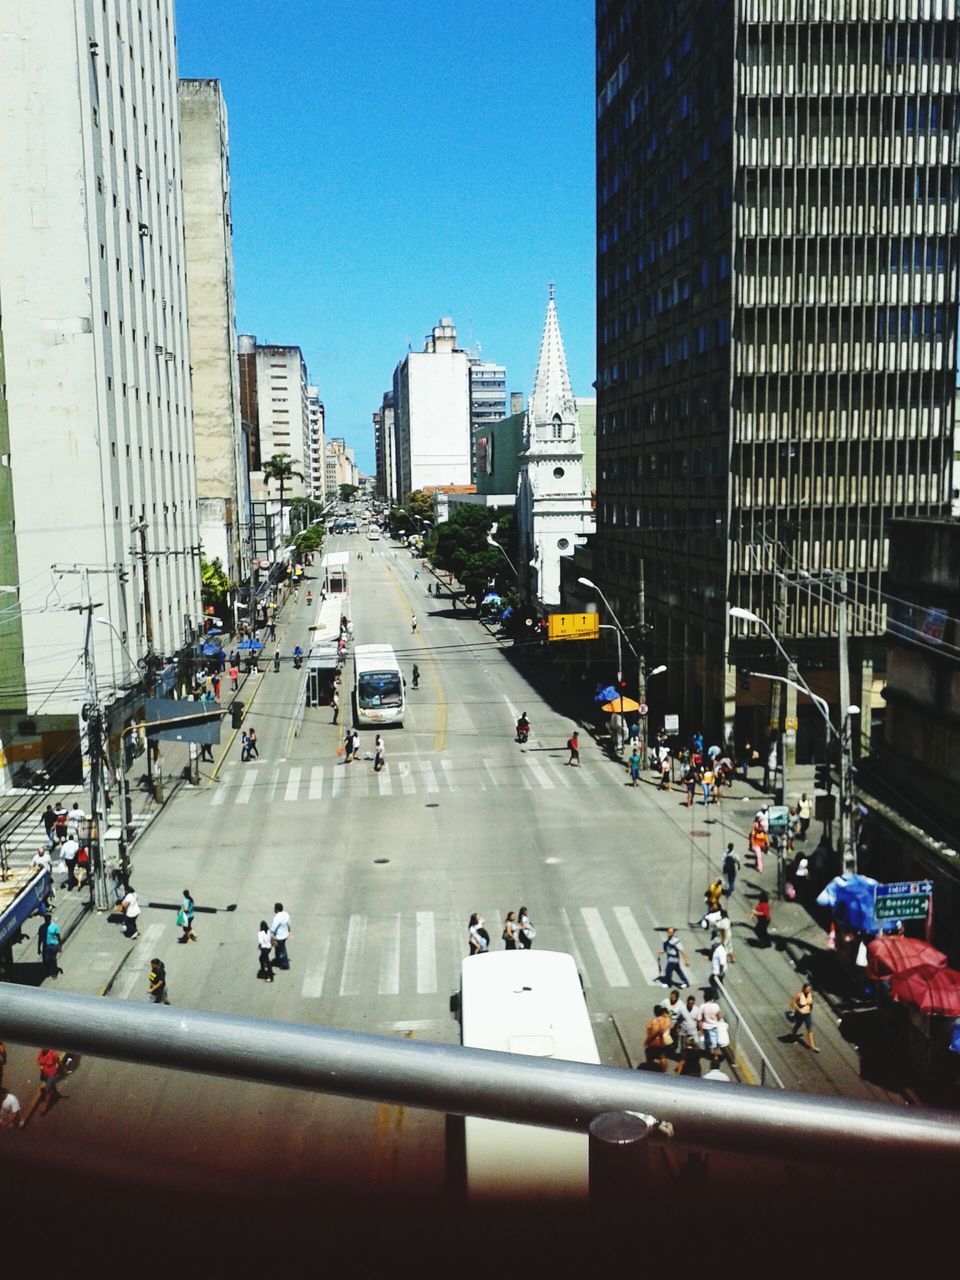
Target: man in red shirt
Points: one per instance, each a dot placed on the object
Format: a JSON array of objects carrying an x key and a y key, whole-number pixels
[{"x": 48, "y": 1060}]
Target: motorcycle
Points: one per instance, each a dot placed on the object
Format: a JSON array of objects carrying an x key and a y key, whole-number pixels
[
  {"x": 297, "y": 659},
  {"x": 523, "y": 733},
  {"x": 37, "y": 779}
]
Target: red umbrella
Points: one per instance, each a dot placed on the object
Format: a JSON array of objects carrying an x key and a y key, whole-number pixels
[
  {"x": 929, "y": 990},
  {"x": 897, "y": 954}
]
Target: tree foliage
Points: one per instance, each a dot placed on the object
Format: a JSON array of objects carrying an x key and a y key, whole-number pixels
[
  {"x": 462, "y": 549},
  {"x": 420, "y": 504},
  {"x": 214, "y": 583},
  {"x": 280, "y": 468},
  {"x": 347, "y": 491}
]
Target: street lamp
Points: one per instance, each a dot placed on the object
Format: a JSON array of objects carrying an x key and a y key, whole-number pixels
[
  {"x": 494, "y": 543},
  {"x": 842, "y": 734}
]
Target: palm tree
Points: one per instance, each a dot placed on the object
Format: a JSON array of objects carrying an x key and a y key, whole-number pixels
[{"x": 281, "y": 469}]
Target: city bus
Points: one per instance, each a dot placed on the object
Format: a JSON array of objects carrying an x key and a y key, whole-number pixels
[
  {"x": 378, "y": 697},
  {"x": 527, "y": 1002}
]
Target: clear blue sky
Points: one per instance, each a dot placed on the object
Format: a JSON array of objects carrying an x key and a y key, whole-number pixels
[{"x": 395, "y": 162}]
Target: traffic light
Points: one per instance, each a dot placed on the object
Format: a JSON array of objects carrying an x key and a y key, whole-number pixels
[
  {"x": 236, "y": 714},
  {"x": 823, "y": 777}
]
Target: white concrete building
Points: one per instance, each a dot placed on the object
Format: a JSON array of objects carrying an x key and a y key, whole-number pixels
[
  {"x": 431, "y": 394},
  {"x": 340, "y": 466},
  {"x": 275, "y": 402},
  {"x": 554, "y": 507},
  {"x": 95, "y": 422},
  {"x": 385, "y": 436},
  {"x": 315, "y": 473},
  {"x": 222, "y": 485}
]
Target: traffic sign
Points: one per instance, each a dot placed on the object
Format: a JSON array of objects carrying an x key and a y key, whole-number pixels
[
  {"x": 642, "y": 709},
  {"x": 573, "y": 626},
  {"x": 671, "y": 724},
  {"x": 905, "y": 900}
]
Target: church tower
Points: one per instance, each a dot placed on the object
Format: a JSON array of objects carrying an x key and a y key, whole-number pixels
[{"x": 554, "y": 514}]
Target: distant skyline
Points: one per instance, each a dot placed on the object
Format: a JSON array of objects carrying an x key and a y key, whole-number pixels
[{"x": 390, "y": 166}]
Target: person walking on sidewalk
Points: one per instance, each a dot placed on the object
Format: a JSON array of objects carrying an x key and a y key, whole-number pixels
[
  {"x": 731, "y": 865},
  {"x": 525, "y": 930},
  {"x": 157, "y": 982},
  {"x": 185, "y": 917},
  {"x": 657, "y": 1040},
  {"x": 573, "y": 746},
  {"x": 335, "y": 706},
  {"x": 761, "y": 918},
  {"x": 804, "y": 814},
  {"x": 252, "y": 752},
  {"x": 48, "y": 1060},
  {"x": 634, "y": 766},
  {"x": 673, "y": 952},
  {"x": 378, "y": 754},
  {"x": 11, "y": 1117},
  {"x": 413, "y": 623},
  {"x": 49, "y": 941},
  {"x": 234, "y": 674},
  {"x": 280, "y": 931},
  {"x": 264, "y": 943},
  {"x": 801, "y": 1014},
  {"x": 130, "y": 906}
]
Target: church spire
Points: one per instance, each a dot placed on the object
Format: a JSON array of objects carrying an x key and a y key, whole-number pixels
[{"x": 552, "y": 397}]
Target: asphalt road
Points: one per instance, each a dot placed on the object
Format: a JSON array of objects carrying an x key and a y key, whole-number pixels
[{"x": 380, "y": 874}]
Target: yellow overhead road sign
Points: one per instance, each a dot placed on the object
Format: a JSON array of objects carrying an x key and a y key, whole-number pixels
[{"x": 573, "y": 626}]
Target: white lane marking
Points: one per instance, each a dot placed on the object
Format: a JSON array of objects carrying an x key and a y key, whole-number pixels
[
  {"x": 316, "y": 973},
  {"x": 359, "y": 783},
  {"x": 574, "y": 949},
  {"x": 316, "y": 782},
  {"x": 426, "y": 954},
  {"x": 406, "y": 778},
  {"x": 220, "y": 795},
  {"x": 646, "y": 962},
  {"x": 337, "y": 783},
  {"x": 488, "y": 765},
  {"x": 446, "y": 767},
  {"x": 545, "y": 782},
  {"x": 389, "y": 984},
  {"x": 356, "y": 936},
  {"x": 426, "y": 768},
  {"x": 246, "y": 787},
  {"x": 587, "y": 778},
  {"x": 603, "y": 945},
  {"x": 514, "y": 713},
  {"x": 274, "y": 783},
  {"x": 137, "y": 967},
  {"x": 384, "y": 781},
  {"x": 293, "y": 783},
  {"x": 560, "y": 779}
]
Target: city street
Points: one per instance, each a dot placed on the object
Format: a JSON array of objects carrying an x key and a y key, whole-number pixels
[{"x": 380, "y": 874}]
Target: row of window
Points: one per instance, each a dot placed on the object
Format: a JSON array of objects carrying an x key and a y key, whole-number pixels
[{"x": 710, "y": 336}]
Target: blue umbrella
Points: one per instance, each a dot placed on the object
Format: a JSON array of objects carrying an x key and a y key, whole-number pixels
[{"x": 250, "y": 644}]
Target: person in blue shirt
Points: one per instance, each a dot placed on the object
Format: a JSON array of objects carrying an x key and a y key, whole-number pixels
[{"x": 48, "y": 944}]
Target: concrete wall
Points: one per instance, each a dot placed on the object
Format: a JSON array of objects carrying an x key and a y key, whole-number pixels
[{"x": 439, "y": 418}]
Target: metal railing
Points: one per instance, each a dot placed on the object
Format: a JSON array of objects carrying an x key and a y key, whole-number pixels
[
  {"x": 300, "y": 707},
  {"x": 745, "y": 1047},
  {"x": 476, "y": 1082}
]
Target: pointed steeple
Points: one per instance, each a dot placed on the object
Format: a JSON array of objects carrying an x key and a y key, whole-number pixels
[{"x": 552, "y": 403}]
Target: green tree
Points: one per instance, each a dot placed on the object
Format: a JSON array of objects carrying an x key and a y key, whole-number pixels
[
  {"x": 462, "y": 549},
  {"x": 280, "y": 468},
  {"x": 420, "y": 504},
  {"x": 347, "y": 491},
  {"x": 215, "y": 586}
]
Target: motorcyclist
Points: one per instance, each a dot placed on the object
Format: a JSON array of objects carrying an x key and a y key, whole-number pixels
[
  {"x": 416, "y": 676},
  {"x": 523, "y": 728},
  {"x": 297, "y": 656}
]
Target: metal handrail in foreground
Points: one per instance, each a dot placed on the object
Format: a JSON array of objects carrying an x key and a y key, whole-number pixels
[
  {"x": 476, "y": 1082},
  {"x": 767, "y": 1076}
]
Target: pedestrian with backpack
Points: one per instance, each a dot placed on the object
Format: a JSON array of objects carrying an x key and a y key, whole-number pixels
[
  {"x": 731, "y": 865},
  {"x": 573, "y": 746}
]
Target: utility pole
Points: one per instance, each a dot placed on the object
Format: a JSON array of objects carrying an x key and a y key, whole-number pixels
[
  {"x": 92, "y": 715},
  {"x": 847, "y": 845},
  {"x": 155, "y": 777},
  {"x": 642, "y": 673}
]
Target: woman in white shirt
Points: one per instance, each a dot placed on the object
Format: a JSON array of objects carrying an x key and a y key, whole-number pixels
[
  {"x": 265, "y": 943},
  {"x": 525, "y": 930},
  {"x": 131, "y": 913},
  {"x": 477, "y": 937},
  {"x": 378, "y": 753}
]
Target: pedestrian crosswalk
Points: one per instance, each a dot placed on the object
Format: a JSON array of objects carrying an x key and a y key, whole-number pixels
[
  {"x": 421, "y": 775},
  {"x": 418, "y": 952}
]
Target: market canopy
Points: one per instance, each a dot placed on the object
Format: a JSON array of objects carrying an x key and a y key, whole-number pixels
[
  {"x": 899, "y": 955},
  {"x": 929, "y": 990},
  {"x": 621, "y": 704}
]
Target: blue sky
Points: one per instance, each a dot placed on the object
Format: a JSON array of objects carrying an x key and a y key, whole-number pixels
[{"x": 395, "y": 162}]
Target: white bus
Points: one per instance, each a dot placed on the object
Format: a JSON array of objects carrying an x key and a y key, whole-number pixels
[
  {"x": 521, "y": 1002},
  {"x": 378, "y": 690}
]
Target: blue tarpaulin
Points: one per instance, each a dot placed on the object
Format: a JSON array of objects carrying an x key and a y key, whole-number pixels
[
  {"x": 606, "y": 695},
  {"x": 256, "y": 645},
  {"x": 852, "y": 899},
  {"x": 23, "y": 906},
  {"x": 210, "y": 649}
]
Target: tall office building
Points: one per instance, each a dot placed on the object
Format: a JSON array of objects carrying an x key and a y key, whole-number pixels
[
  {"x": 431, "y": 396},
  {"x": 316, "y": 466},
  {"x": 488, "y": 402},
  {"x": 777, "y": 198},
  {"x": 98, "y": 497},
  {"x": 275, "y": 402},
  {"x": 384, "y": 424},
  {"x": 222, "y": 483}
]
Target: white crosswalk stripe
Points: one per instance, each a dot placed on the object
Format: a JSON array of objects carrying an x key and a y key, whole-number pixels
[
  {"x": 412, "y": 953},
  {"x": 316, "y": 782},
  {"x": 430, "y": 778},
  {"x": 446, "y": 773},
  {"x": 293, "y": 784},
  {"x": 246, "y": 787},
  {"x": 406, "y": 778},
  {"x": 541, "y": 775},
  {"x": 384, "y": 781}
]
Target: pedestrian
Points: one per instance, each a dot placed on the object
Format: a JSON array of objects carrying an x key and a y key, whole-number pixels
[
  {"x": 801, "y": 1015},
  {"x": 11, "y": 1117},
  {"x": 130, "y": 906},
  {"x": 714, "y": 894},
  {"x": 60, "y": 822},
  {"x": 264, "y": 943},
  {"x": 413, "y": 623},
  {"x": 49, "y": 941},
  {"x": 658, "y": 1039},
  {"x": 761, "y": 917},
  {"x": 688, "y": 1030},
  {"x": 804, "y": 814},
  {"x": 234, "y": 674},
  {"x": 509, "y": 934},
  {"x": 478, "y": 939},
  {"x": 280, "y": 931},
  {"x": 673, "y": 952},
  {"x": 244, "y": 747},
  {"x": 185, "y": 917},
  {"x": 770, "y": 766},
  {"x": 157, "y": 982},
  {"x": 718, "y": 962},
  {"x": 710, "y": 1018},
  {"x": 42, "y": 861},
  {"x": 674, "y": 1008},
  {"x": 74, "y": 818},
  {"x": 68, "y": 854},
  {"x": 744, "y": 760},
  {"x": 206, "y": 752},
  {"x": 82, "y": 866},
  {"x": 48, "y": 1060},
  {"x": 707, "y": 780},
  {"x": 633, "y": 733},
  {"x": 634, "y": 766},
  {"x": 573, "y": 746},
  {"x": 252, "y": 752},
  {"x": 525, "y": 930},
  {"x": 759, "y": 841},
  {"x": 690, "y": 784},
  {"x": 731, "y": 865},
  {"x": 378, "y": 753},
  {"x": 335, "y": 705},
  {"x": 416, "y": 676},
  {"x": 49, "y": 822},
  {"x": 665, "y": 783}
]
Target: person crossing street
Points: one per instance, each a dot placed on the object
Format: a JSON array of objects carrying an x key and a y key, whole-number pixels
[{"x": 673, "y": 952}]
